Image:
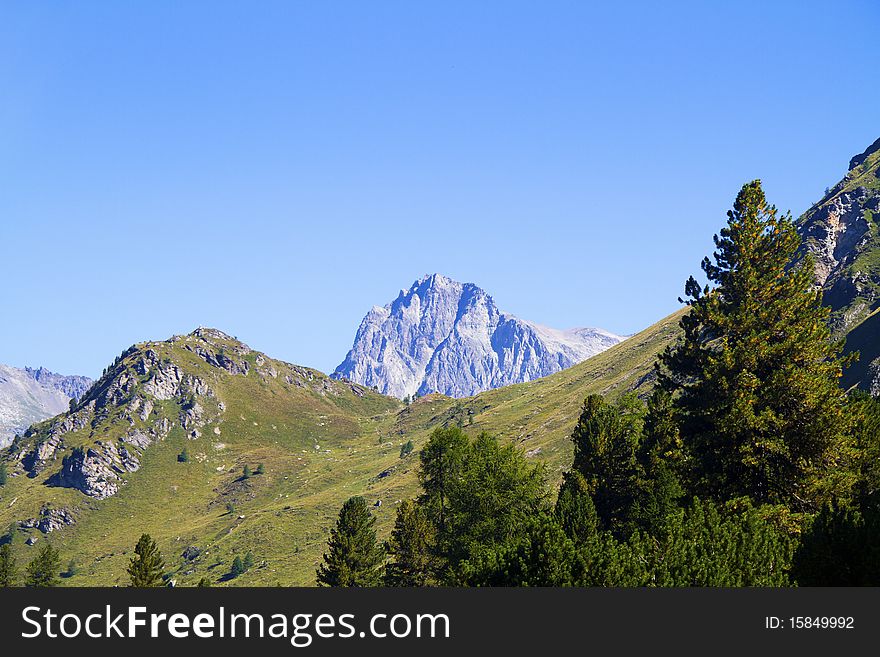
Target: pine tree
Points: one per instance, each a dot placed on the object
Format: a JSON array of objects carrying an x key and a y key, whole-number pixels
[
  {"x": 354, "y": 557},
  {"x": 865, "y": 411},
  {"x": 183, "y": 457},
  {"x": 606, "y": 442},
  {"x": 3, "y": 473},
  {"x": 248, "y": 562},
  {"x": 7, "y": 566},
  {"x": 237, "y": 567},
  {"x": 840, "y": 547},
  {"x": 204, "y": 583},
  {"x": 406, "y": 449},
  {"x": 410, "y": 548},
  {"x": 246, "y": 472},
  {"x": 756, "y": 376},
  {"x": 43, "y": 570},
  {"x": 261, "y": 469},
  {"x": 145, "y": 568},
  {"x": 72, "y": 569}
]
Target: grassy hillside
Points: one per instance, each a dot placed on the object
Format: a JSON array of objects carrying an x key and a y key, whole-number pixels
[
  {"x": 320, "y": 441},
  {"x": 539, "y": 415}
]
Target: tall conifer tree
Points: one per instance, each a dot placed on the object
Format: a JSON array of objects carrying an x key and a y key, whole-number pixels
[
  {"x": 354, "y": 557},
  {"x": 43, "y": 570},
  {"x": 410, "y": 547},
  {"x": 756, "y": 377},
  {"x": 145, "y": 569}
]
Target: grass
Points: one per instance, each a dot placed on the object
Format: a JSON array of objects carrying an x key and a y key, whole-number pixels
[{"x": 320, "y": 444}]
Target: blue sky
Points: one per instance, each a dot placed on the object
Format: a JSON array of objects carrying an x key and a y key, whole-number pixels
[{"x": 275, "y": 169}]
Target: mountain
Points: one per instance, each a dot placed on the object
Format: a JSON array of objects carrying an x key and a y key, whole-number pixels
[
  {"x": 159, "y": 444},
  {"x": 31, "y": 395},
  {"x": 842, "y": 232},
  {"x": 449, "y": 337}
]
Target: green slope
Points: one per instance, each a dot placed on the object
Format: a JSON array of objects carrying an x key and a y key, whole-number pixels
[
  {"x": 321, "y": 441},
  {"x": 539, "y": 415}
]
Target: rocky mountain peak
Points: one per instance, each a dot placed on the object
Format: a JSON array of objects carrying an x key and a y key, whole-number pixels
[
  {"x": 148, "y": 391},
  {"x": 440, "y": 335}
]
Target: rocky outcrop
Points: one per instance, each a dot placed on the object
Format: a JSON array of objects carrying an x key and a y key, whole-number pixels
[
  {"x": 836, "y": 229},
  {"x": 862, "y": 158},
  {"x": 73, "y": 387},
  {"x": 841, "y": 234},
  {"x": 448, "y": 337},
  {"x": 96, "y": 471},
  {"x": 49, "y": 520},
  {"x": 31, "y": 395}
]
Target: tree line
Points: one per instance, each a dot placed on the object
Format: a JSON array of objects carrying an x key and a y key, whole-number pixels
[{"x": 747, "y": 465}]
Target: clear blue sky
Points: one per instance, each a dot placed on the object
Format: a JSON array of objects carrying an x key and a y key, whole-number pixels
[{"x": 275, "y": 169}]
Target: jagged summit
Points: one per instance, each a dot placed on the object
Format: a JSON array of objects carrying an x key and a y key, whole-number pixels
[{"x": 440, "y": 335}]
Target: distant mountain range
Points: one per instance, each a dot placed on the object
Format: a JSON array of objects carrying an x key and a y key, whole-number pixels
[
  {"x": 31, "y": 395},
  {"x": 449, "y": 337}
]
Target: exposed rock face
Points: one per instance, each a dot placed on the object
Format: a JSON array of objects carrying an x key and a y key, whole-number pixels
[
  {"x": 32, "y": 395},
  {"x": 49, "y": 520},
  {"x": 835, "y": 230},
  {"x": 448, "y": 337},
  {"x": 842, "y": 233},
  {"x": 873, "y": 380}
]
